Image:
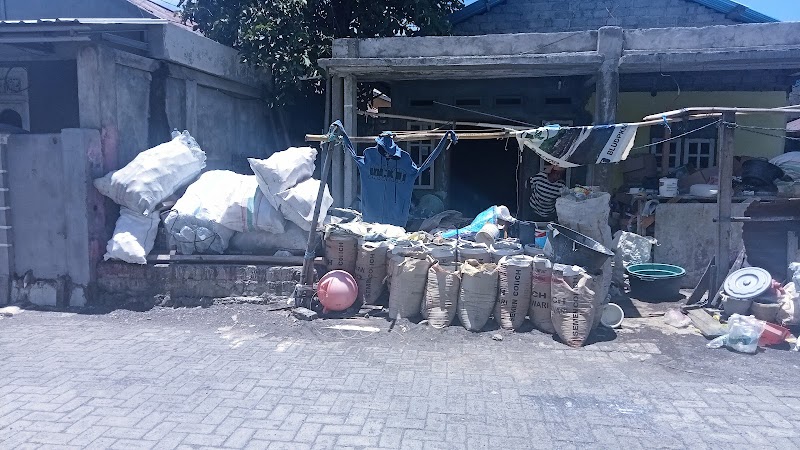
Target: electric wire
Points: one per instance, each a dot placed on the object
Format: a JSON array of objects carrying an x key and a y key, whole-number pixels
[{"x": 678, "y": 136}]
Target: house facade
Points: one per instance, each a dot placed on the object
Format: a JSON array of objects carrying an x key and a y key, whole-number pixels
[
  {"x": 572, "y": 62},
  {"x": 82, "y": 97}
]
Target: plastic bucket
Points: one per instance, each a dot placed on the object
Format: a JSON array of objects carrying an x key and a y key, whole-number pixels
[
  {"x": 656, "y": 282},
  {"x": 574, "y": 249}
]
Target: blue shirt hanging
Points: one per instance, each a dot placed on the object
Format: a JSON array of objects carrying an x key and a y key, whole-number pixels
[{"x": 387, "y": 178}]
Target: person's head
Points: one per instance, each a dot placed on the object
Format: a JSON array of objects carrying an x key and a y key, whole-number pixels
[{"x": 554, "y": 173}]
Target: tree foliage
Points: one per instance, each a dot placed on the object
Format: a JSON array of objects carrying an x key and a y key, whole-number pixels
[{"x": 288, "y": 37}]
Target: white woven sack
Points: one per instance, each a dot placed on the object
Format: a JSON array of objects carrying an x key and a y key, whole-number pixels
[
  {"x": 293, "y": 240},
  {"x": 297, "y": 204},
  {"x": 408, "y": 286},
  {"x": 194, "y": 225},
  {"x": 441, "y": 295},
  {"x": 283, "y": 170},
  {"x": 134, "y": 237},
  {"x": 514, "y": 298},
  {"x": 154, "y": 174},
  {"x": 242, "y": 206},
  {"x": 477, "y": 295}
]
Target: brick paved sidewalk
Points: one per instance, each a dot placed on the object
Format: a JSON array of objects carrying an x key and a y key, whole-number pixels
[{"x": 237, "y": 377}]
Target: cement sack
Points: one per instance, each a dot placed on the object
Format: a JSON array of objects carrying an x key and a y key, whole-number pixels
[
  {"x": 590, "y": 217},
  {"x": 341, "y": 252},
  {"x": 441, "y": 295},
  {"x": 477, "y": 295},
  {"x": 293, "y": 240},
  {"x": 540, "y": 308},
  {"x": 467, "y": 250},
  {"x": 573, "y": 307},
  {"x": 442, "y": 250},
  {"x": 154, "y": 174},
  {"x": 630, "y": 248},
  {"x": 402, "y": 249},
  {"x": 503, "y": 248},
  {"x": 514, "y": 298},
  {"x": 194, "y": 225},
  {"x": 408, "y": 286},
  {"x": 297, "y": 204},
  {"x": 134, "y": 237},
  {"x": 371, "y": 271},
  {"x": 283, "y": 170}
]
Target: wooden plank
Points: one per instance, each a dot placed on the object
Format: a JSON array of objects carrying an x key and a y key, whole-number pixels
[
  {"x": 791, "y": 252},
  {"x": 725, "y": 164},
  {"x": 337, "y": 166},
  {"x": 703, "y": 285},
  {"x": 351, "y": 125},
  {"x": 734, "y": 267},
  {"x": 707, "y": 325},
  {"x": 230, "y": 259}
]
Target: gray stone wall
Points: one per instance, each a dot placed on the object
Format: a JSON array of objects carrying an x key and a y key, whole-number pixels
[{"x": 547, "y": 16}]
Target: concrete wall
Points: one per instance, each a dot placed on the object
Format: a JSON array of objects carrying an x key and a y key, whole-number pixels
[
  {"x": 687, "y": 234},
  {"x": 546, "y": 16},
  {"x": 51, "y": 200}
]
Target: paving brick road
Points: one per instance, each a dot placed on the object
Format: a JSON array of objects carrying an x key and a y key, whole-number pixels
[{"x": 241, "y": 377}]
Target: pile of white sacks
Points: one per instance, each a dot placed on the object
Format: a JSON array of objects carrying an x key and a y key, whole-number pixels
[{"x": 268, "y": 211}]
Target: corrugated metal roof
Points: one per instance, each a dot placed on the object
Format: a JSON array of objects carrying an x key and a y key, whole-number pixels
[
  {"x": 745, "y": 14},
  {"x": 87, "y": 21}
]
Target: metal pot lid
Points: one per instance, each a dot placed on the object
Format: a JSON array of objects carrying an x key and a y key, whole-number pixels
[{"x": 747, "y": 283}]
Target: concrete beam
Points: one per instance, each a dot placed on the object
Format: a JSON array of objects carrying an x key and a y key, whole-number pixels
[
  {"x": 762, "y": 35},
  {"x": 466, "y": 67},
  {"x": 496, "y": 44},
  {"x": 733, "y": 59}
]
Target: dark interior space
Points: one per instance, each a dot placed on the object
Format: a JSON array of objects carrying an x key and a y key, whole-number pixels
[
  {"x": 53, "y": 95},
  {"x": 483, "y": 173}
]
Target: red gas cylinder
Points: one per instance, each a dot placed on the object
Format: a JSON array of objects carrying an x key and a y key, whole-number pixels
[{"x": 337, "y": 291}]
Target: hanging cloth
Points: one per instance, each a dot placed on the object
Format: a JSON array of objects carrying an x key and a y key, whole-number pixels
[
  {"x": 387, "y": 178},
  {"x": 580, "y": 146}
]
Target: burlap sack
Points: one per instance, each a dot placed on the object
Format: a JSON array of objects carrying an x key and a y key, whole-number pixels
[
  {"x": 408, "y": 286},
  {"x": 400, "y": 250},
  {"x": 501, "y": 249},
  {"x": 441, "y": 295},
  {"x": 515, "y": 291},
  {"x": 540, "y": 309},
  {"x": 467, "y": 250},
  {"x": 370, "y": 271},
  {"x": 572, "y": 306},
  {"x": 341, "y": 253},
  {"x": 477, "y": 295}
]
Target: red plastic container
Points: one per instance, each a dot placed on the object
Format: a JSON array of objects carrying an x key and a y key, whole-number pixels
[{"x": 773, "y": 335}]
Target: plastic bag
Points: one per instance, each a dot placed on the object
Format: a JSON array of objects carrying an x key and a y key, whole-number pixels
[
  {"x": 743, "y": 334},
  {"x": 154, "y": 174},
  {"x": 490, "y": 215},
  {"x": 134, "y": 237},
  {"x": 789, "y": 314}
]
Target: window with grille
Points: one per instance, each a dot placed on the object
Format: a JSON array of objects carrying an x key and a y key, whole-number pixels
[
  {"x": 700, "y": 153},
  {"x": 419, "y": 152}
]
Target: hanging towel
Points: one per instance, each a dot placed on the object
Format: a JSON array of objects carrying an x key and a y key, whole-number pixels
[{"x": 387, "y": 178}]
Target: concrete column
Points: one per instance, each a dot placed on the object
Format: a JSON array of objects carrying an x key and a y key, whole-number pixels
[
  {"x": 351, "y": 125},
  {"x": 6, "y": 232},
  {"x": 609, "y": 45},
  {"x": 191, "y": 107},
  {"x": 337, "y": 165},
  {"x": 97, "y": 98}
]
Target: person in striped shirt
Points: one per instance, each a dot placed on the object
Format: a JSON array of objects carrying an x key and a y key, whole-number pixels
[{"x": 546, "y": 187}]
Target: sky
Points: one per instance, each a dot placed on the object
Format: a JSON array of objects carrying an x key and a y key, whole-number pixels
[{"x": 787, "y": 10}]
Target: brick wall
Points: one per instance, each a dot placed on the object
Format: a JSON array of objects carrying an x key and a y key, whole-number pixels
[{"x": 546, "y": 16}]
